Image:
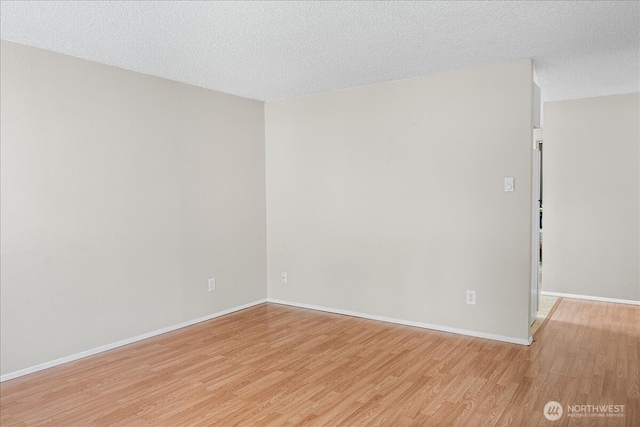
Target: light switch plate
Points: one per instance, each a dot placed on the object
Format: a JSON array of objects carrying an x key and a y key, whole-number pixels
[{"x": 509, "y": 184}]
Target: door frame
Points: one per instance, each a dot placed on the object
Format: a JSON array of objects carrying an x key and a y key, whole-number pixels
[{"x": 535, "y": 226}]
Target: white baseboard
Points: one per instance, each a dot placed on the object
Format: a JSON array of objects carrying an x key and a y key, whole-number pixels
[
  {"x": 406, "y": 322},
  {"x": 590, "y": 298},
  {"x": 111, "y": 346}
]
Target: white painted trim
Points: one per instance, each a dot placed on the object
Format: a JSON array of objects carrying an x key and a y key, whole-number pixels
[
  {"x": 406, "y": 322},
  {"x": 590, "y": 298},
  {"x": 111, "y": 346}
]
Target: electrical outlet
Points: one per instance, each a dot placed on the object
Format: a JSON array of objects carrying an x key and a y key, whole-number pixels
[
  {"x": 212, "y": 284},
  {"x": 283, "y": 278},
  {"x": 471, "y": 297}
]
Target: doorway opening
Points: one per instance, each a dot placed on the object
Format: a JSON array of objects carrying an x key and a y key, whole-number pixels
[{"x": 542, "y": 306}]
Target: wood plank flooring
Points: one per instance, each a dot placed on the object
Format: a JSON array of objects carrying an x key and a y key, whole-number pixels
[{"x": 282, "y": 366}]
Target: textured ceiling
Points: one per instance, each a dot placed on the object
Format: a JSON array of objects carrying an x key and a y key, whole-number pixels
[{"x": 275, "y": 50}]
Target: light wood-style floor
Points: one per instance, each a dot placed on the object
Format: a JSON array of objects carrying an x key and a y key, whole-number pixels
[
  {"x": 545, "y": 309},
  {"x": 282, "y": 366}
]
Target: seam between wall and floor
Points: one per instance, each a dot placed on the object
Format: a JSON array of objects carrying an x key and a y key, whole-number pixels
[
  {"x": 397, "y": 321},
  {"x": 590, "y": 298},
  {"x": 106, "y": 347},
  {"x": 101, "y": 349}
]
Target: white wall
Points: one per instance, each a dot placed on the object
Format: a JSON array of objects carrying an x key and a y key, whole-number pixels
[
  {"x": 592, "y": 197},
  {"x": 388, "y": 199},
  {"x": 121, "y": 195}
]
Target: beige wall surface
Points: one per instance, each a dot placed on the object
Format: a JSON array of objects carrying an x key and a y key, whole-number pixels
[
  {"x": 592, "y": 197},
  {"x": 388, "y": 200},
  {"x": 121, "y": 195}
]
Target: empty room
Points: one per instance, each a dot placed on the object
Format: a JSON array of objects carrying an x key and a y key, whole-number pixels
[{"x": 319, "y": 213}]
